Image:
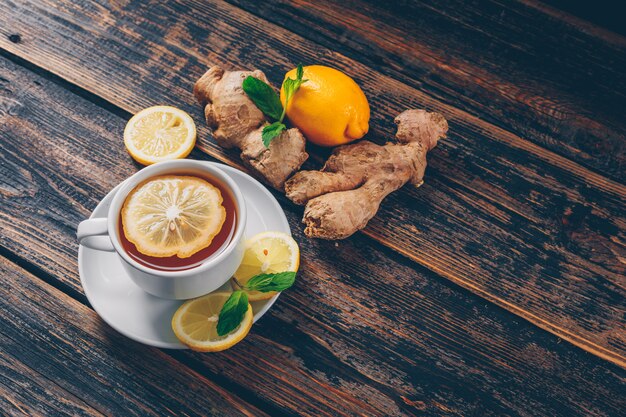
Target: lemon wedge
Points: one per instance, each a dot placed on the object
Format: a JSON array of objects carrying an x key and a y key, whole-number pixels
[
  {"x": 195, "y": 324},
  {"x": 159, "y": 133},
  {"x": 173, "y": 215},
  {"x": 267, "y": 252}
]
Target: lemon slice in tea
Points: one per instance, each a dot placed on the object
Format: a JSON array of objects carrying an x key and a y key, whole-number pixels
[
  {"x": 267, "y": 252},
  {"x": 173, "y": 215},
  {"x": 159, "y": 133},
  {"x": 195, "y": 324}
]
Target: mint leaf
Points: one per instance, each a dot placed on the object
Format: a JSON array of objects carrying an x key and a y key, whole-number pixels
[
  {"x": 291, "y": 85},
  {"x": 232, "y": 312},
  {"x": 271, "y": 131},
  {"x": 299, "y": 72},
  {"x": 264, "y": 97},
  {"x": 271, "y": 282}
]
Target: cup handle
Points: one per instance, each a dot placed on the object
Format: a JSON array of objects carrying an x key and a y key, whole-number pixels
[{"x": 93, "y": 233}]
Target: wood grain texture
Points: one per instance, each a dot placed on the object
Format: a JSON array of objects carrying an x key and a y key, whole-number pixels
[
  {"x": 55, "y": 349},
  {"x": 26, "y": 392},
  {"x": 597, "y": 19},
  {"x": 359, "y": 334},
  {"x": 513, "y": 222},
  {"x": 555, "y": 84}
]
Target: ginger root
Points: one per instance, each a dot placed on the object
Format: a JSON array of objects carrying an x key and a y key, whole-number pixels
[
  {"x": 346, "y": 193},
  {"x": 237, "y": 123}
]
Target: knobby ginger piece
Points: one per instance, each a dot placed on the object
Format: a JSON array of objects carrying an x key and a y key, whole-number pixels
[
  {"x": 346, "y": 193},
  {"x": 237, "y": 123}
]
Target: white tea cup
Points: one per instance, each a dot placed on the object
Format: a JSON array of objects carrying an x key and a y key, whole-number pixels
[{"x": 209, "y": 275}]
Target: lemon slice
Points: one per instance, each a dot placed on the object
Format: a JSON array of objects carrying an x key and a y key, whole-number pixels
[
  {"x": 195, "y": 324},
  {"x": 173, "y": 215},
  {"x": 159, "y": 133},
  {"x": 267, "y": 252}
]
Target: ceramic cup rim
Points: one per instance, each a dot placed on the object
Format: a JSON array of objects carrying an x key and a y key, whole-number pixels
[{"x": 162, "y": 168}]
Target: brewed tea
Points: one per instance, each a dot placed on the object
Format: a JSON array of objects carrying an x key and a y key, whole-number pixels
[{"x": 219, "y": 242}]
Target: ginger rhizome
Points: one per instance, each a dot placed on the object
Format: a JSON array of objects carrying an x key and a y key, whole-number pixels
[
  {"x": 237, "y": 123},
  {"x": 346, "y": 193}
]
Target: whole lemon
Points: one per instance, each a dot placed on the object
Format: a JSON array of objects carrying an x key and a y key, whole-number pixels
[{"x": 330, "y": 109}]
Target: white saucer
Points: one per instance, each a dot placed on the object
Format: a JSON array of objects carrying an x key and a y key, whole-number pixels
[{"x": 146, "y": 318}]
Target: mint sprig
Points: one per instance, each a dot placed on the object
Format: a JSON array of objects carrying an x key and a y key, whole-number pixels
[
  {"x": 236, "y": 306},
  {"x": 266, "y": 99},
  {"x": 232, "y": 312}
]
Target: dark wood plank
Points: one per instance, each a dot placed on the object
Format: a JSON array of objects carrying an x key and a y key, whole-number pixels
[
  {"x": 26, "y": 392},
  {"x": 483, "y": 58},
  {"x": 360, "y": 333},
  {"x": 499, "y": 215},
  {"x": 73, "y": 351},
  {"x": 601, "y": 17}
]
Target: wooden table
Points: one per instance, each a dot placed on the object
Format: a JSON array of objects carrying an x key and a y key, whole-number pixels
[{"x": 497, "y": 288}]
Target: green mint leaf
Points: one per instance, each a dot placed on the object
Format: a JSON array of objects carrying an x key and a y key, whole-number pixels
[
  {"x": 264, "y": 97},
  {"x": 232, "y": 312},
  {"x": 271, "y": 131},
  {"x": 271, "y": 282},
  {"x": 291, "y": 85},
  {"x": 299, "y": 72}
]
